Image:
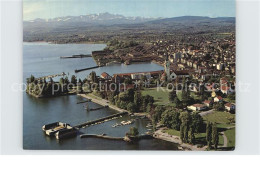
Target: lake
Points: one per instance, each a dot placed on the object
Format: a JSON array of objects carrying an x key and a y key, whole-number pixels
[{"x": 41, "y": 59}]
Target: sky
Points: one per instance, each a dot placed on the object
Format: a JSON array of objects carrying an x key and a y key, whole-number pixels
[{"x": 46, "y": 9}]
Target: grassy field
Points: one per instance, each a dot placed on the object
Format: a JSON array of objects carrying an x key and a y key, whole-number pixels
[
  {"x": 231, "y": 136},
  {"x": 172, "y": 132},
  {"x": 161, "y": 97},
  {"x": 218, "y": 117}
]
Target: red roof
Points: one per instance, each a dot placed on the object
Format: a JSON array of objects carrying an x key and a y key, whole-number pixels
[
  {"x": 198, "y": 105},
  {"x": 207, "y": 102},
  {"x": 104, "y": 75},
  {"x": 219, "y": 97},
  {"x": 224, "y": 87}
]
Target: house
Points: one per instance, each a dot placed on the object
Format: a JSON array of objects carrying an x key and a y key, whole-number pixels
[
  {"x": 208, "y": 103},
  {"x": 230, "y": 107},
  {"x": 218, "y": 99},
  {"x": 226, "y": 89},
  {"x": 197, "y": 107},
  {"x": 105, "y": 75}
]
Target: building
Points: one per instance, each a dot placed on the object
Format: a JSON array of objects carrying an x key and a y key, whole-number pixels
[
  {"x": 218, "y": 99},
  {"x": 208, "y": 103},
  {"x": 105, "y": 75},
  {"x": 230, "y": 107},
  {"x": 197, "y": 107}
]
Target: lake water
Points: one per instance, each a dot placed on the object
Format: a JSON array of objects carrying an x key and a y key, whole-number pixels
[{"x": 41, "y": 59}]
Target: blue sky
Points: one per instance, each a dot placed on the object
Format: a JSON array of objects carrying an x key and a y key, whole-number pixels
[{"x": 146, "y": 8}]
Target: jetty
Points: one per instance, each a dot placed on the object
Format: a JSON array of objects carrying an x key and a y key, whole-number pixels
[
  {"x": 113, "y": 116},
  {"x": 85, "y": 69},
  {"x": 76, "y": 56}
]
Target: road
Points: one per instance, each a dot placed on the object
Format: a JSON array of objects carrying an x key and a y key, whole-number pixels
[{"x": 206, "y": 112}]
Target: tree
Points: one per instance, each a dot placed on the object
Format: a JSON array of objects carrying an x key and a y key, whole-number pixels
[
  {"x": 131, "y": 107},
  {"x": 93, "y": 77},
  {"x": 170, "y": 118},
  {"x": 138, "y": 99},
  {"x": 158, "y": 113},
  {"x": 209, "y": 134},
  {"x": 219, "y": 106},
  {"x": 176, "y": 102},
  {"x": 61, "y": 81},
  {"x": 66, "y": 80},
  {"x": 215, "y": 136},
  {"x": 73, "y": 79},
  {"x": 182, "y": 132},
  {"x": 192, "y": 135},
  {"x": 185, "y": 122},
  {"x": 197, "y": 122},
  {"x": 133, "y": 131},
  {"x": 172, "y": 95},
  {"x": 31, "y": 79}
]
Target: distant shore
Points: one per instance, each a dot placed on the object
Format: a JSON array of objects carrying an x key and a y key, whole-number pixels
[{"x": 81, "y": 42}]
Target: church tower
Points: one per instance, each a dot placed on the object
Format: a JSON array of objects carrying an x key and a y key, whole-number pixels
[{"x": 167, "y": 67}]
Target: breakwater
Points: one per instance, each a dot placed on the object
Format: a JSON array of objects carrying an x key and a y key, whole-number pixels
[{"x": 100, "y": 120}]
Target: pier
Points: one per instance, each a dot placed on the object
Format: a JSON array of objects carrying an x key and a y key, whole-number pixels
[
  {"x": 113, "y": 116},
  {"x": 85, "y": 69}
]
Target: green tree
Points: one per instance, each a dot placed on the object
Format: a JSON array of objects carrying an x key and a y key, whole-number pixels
[
  {"x": 176, "y": 102},
  {"x": 192, "y": 135},
  {"x": 93, "y": 77},
  {"x": 73, "y": 79},
  {"x": 61, "y": 81},
  {"x": 215, "y": 136},
  {"x": 131, "y": 107},
  {"x": 172, "y": 95},
  {"x": 219, "y": 106},
  {"x": 158, "y": 113},
  {"x": 209, "y": 134},
  {"x": 170, "y": 118},
  {"x": 133, "y": 131},
  {"x": 197, "y": 122},
  {"x": 185, "y": 122},
  {"x": 182, "y": 132}
]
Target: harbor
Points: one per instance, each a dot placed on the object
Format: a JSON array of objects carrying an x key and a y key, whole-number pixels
[{"x": 60, "y": 108}]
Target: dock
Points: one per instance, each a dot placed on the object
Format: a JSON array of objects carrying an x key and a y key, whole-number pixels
[
  {"x": 100, "y": 120},
  {"x": 85, "y": 69}
]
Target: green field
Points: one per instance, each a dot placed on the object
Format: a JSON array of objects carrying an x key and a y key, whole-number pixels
[
  {"x": 218, "y": 117},
  {"x": 172, "y": 132},
  {"x": 160, "y": 97},
  {"x": 231, "y": 136}
]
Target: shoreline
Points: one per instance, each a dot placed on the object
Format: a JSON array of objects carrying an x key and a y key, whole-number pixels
[
  {"x": 176, "y": 139},
  {"x": 102, "y": 102},
  {"x": 50, "y": 42}
]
